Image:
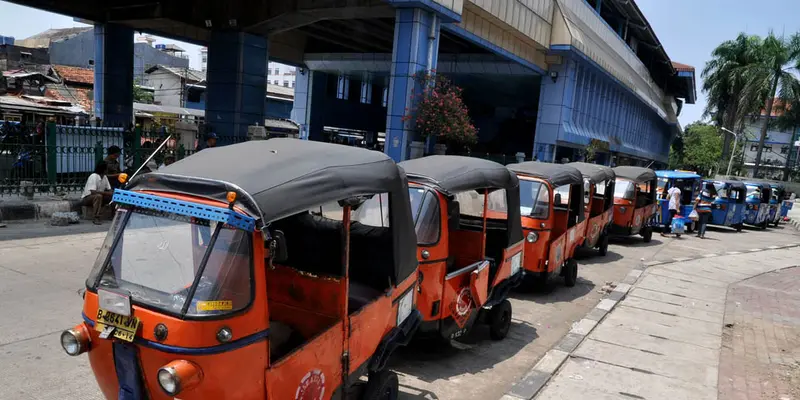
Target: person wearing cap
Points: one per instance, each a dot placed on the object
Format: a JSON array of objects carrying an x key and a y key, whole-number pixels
[
  {"x": 211, "y": 141},
  {"x": 112, "y": 165}
]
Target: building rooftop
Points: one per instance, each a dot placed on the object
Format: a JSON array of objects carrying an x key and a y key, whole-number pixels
[
  {"x": 191, "y": 75},
  {"x": 43, "y": 39},
  {"x": 75, "y": 74}
]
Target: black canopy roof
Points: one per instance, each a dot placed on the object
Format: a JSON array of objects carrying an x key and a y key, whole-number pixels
[
  {"x": 595, "y": 172},
  {"x": 636, "y": 174},
  {"x": 736, "y": 185},
  {"x": 763, "y": 185},
  {"x": 556, "y": 174},
  {"x": 277, "y": 178},
  {"x": 452, "y": 174},
  {"x": 457, "y": 173}
]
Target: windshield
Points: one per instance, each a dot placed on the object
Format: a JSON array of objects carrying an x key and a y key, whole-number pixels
[
  {"x": 424, "y": 210},
  {"x": 754, "y": 192},
  {"x": 159, "y": 254},
  {"x": 623, "y": 188},
  {"x": 534, "y": 199},
  {"x": 722, "y": 190}
]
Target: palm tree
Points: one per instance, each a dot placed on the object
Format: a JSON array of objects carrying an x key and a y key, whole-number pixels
[
  {"x": 723, "y": 82},
  {"x": 773, "y": 73},
  {"x": 789, "y": 120}
]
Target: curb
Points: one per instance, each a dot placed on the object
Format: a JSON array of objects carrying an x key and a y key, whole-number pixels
[
  {"x": 794, "y": 223},
  {"x": 529, "y": 386},
  {"x": 36, "y": 210}
]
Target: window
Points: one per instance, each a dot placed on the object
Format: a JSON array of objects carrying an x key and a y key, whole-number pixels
[
  {"x": 366, "y": 92},
  {"x": 754, "y": 147},
  {"x": 768, "y": 149},
  {"x": 425, "y": 211},
  {"x": 784, "y": 149},
  {"x": 561, "y": 196},
  {"x": 293, "y": 84},
  {"x": 275, "y": 82},
  {"x": 160, "y": 253},
  {"x": 624, "y": 189},
  {"x": 343, "y": 88},
  {"x": 534, "y": 199},
  {"x": 471, "y": 202},
  {"x": 385, "y": 101},
  {"x": 285, "y": 83},
  {"x": 587, "y": 192}
]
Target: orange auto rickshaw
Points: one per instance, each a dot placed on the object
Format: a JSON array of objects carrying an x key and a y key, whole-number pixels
[
  {"x": 466, "y": 214},
  {"x": 598, "y": 201},
  {"x": 635, "y": 202},
  {"x": 553, "y": 219},
  {"x": 238, "y": 273}
]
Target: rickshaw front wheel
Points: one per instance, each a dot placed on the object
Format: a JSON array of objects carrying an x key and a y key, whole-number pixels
[
  {"x": 570, "y": 272},
  {"x": 603, "y": 249},
  {"x": 382, "y": 385},
  {"x": 500, "y": 320},
  {"x": 739, "y": 227},
  {"x": 647, "y": 234}
]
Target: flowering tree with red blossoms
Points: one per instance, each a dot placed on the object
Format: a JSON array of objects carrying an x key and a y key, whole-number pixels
[{"x": 440, "y": 112}]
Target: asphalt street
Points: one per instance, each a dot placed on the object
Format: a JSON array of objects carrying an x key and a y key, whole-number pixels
[{"x": 42, "y": 270}]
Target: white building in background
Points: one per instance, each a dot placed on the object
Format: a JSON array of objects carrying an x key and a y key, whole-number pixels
[
  {"x": 277, "y": 74},
  {"x": 778, "y": 150}
]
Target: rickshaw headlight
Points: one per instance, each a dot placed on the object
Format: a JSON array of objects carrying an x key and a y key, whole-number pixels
[
  {"x": 532, "y": 237},
  {"x": 75, "y": 341},
  {"x": 623, "y": 209},
  {"x": 168, "y": 380},
  {"x": 178, "y": 376}
]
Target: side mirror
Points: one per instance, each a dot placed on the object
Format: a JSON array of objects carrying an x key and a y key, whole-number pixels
[
  {"x": 277, "y": 247},
  {"x": 557, "y": 199}
]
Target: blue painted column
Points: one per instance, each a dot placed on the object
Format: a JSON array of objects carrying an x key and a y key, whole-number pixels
[
  {"x": 236, "y": 83},
  {"x": 555, "y": 109},
  {"x": 113, "y": 74},
  {"x": 412, "y": 31},
  {"x": 309, "y": 101}
]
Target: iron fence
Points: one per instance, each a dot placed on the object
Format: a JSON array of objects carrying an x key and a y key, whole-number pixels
[{"x": 56, "y": 159}]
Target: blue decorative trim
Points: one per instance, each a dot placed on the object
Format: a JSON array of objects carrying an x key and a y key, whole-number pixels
[
  {"x": 196, "y": 351},
  {"x": 211, "y": 213},
  {"x": 686, "y": 74},
  {"x": 446, "y": 14},
  {"x": 475, "y": 39}
]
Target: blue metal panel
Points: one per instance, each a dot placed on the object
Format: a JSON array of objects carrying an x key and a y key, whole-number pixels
[
  {"x": 186, "y": 208},
  {"x": 113, "y": 74},
  {"x": 443, "y": 12}
]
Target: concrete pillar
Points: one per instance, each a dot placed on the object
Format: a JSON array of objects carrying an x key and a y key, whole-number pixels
[
  {"x": 309, "y": 86},
  {"x": 555, "y": 107},
  {"x": 414, "y": 51},
  {"x": 113, "y": 74},
  {"x": 236, "y": 83}
]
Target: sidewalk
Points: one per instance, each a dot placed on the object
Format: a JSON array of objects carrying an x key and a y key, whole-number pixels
[
  {"x": 15, "y": 208},
  {"x": 726, "y": 327}
]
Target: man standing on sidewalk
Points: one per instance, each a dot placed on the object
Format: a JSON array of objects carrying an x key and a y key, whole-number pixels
[
  {"x": 674, "y": 196},
  {"x": 97, "y": 191}
]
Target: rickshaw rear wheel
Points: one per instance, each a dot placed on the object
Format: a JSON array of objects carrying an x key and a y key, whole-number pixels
[
  {"x": 570, "y": 273},
  {"x": 500, "y": 320},
  {"x": 739, "y": 227},
  {"x": 647, "y": 234},
  {"x": 382, "y": 385}
]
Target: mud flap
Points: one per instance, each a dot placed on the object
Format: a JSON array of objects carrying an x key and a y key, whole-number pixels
[{"x": 126, "y": 363}]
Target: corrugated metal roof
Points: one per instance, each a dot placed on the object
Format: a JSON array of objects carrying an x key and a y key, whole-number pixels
[
  {"x": 17, "y": 103},
  {"x": 191, "y": 75},
  {"x": 682, "y": 67}
]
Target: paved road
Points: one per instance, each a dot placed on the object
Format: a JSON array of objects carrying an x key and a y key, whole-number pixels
[{"x": 40, "y": 279}]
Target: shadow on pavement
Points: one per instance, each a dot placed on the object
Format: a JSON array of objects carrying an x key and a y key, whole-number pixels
[
  {"x": 42, "y": 229},
  {"x": 431, "y": 360},
  {"x": 635, "y": 241},
  {"x": 555, "y": 291},
  {"x": 411, "y": 393},
  {"x": 591, "y": 257}
]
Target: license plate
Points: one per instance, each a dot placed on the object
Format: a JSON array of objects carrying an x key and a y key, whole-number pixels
[{"x": 118, "y": 326}]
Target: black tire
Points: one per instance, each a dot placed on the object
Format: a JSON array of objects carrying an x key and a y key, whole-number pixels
[
  {"x": 647, "y": 235},
  {"x": 570, "y": 273},
  {"x": 603, "y": 248},
  {"x": 764, "y": 225},
  {"x": 500, "y": 320},
  {"x": 739, "y": 227},
  {"x": 382, "y": 385},
  {"x": 776, "y": 223},
  {"x": 690, "y": 228}
]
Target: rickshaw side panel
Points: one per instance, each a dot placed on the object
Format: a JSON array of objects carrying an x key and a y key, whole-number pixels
[
  {"x": 575, "y": 237},
  {"x": 536, "y": 253},
  {"x": 504, "y": 271},
  {"x": 306, "y": 302},
  {"x": 313, "y": 371},
  {"x": 458, "y": 304},
  {"x": 594, "y": 228},
  {"x": 368, "y": 326},
  {"x": 638, "y": 220},
  {"x": 556, "y": 254},
  {"x": 101, "y": 359},
  {"x": 431, "y": 290}
]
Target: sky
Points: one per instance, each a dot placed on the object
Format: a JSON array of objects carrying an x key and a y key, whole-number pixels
[{"x": 688, "y": 29}]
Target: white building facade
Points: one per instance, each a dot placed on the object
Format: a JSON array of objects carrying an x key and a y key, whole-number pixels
[{"x": 779, "y": 149}]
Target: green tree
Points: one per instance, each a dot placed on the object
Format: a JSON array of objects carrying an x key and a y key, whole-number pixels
[
  {"x": 702, "y": 148},
  {"x": 140, "y": 95},
  {"x": 724, "y": 82},
  {"x": 778, "y": 59},
  {"x": 789, "y": 120}
]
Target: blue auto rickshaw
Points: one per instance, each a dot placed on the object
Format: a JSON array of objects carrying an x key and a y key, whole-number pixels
[
  {"x": 775, "y": 203},
  {"x": 757, "y": 204},
  {"x": 687, "y": 182},
  {"x": 729, "y": 204}
]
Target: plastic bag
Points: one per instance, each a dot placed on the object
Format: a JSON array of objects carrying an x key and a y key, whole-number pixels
[
  {"x": 678, "y": 225},
  {"x": 694, "y": 216}
]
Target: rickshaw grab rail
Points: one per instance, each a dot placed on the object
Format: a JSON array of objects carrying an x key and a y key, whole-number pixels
[{"x": 186, "y": 208}]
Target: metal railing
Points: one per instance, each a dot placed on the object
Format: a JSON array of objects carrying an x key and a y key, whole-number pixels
[{"x": 57, "y": 159}]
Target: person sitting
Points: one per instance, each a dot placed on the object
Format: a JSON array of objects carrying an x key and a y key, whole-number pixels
[{"x": 97, "y": 191}]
